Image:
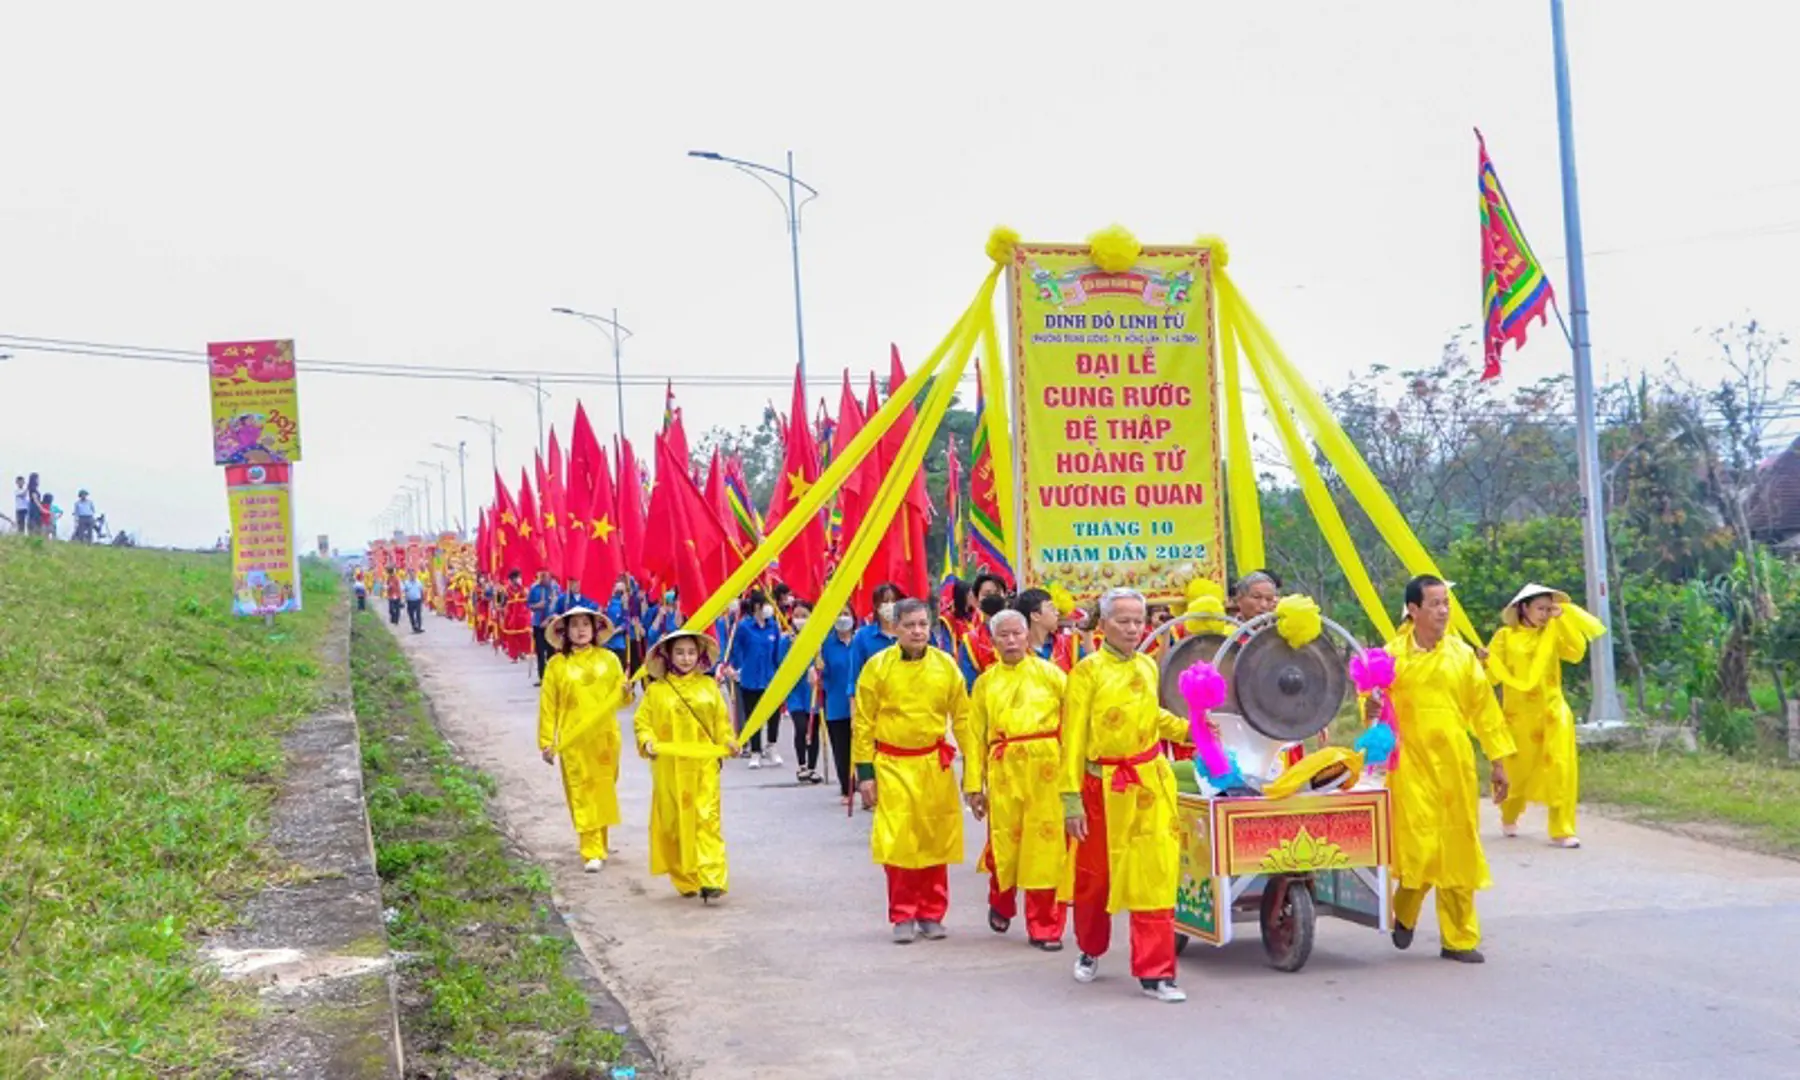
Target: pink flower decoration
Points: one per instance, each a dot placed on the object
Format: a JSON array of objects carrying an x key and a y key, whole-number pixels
[
  {"x": 1372, "y": 670},
  {"x": 1204, "y": 689}
]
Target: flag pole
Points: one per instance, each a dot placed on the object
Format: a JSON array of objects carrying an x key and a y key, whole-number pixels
[{"x": 1606, "y": 711}]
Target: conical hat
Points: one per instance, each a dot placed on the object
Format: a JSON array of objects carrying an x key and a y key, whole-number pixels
[
  {"x": 603, "y": 626},
  {"x": 657, "y": 663},
  {"x": 1530, "y": 592}
]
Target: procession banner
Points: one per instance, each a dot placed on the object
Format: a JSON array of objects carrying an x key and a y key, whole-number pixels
[
  {"x": 1117, "y": 443},
  {"x": 255, "y": 403},
  {"x": 262, "y": 529}
]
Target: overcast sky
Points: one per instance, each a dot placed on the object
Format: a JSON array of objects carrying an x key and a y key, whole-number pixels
[{"x": 421, "y": 183}]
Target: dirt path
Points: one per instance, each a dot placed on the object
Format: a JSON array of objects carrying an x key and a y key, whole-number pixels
[{"x": 1645, "y": 954}]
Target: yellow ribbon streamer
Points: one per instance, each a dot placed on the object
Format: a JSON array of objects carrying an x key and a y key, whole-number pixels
[
  {"x": 999, "y": 432},
  {"x": 1240, "y": 468},
  {"x": 1329, "y": 436},
  {"x": 874, "y": 527},
  {"x": 692, "y": 751},
  {"x": 1312, "y": 485},
  {"x": 816, "y": 496}
]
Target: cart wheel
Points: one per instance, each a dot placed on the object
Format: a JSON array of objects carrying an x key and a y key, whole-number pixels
[
  {"x": 1288, "y": 916},
  {"x": 1181, "y": 943}
]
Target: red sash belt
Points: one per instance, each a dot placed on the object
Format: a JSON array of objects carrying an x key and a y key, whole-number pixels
[
  {"x": 942, "y": 748},
  {"x": 1125, "y": 772},
  {"x": 1004, "y": 741}
]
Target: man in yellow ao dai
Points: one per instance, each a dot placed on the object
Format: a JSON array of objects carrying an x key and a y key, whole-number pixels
[
  {"x": 583, "y": 689},
  {"x": 1441, "y": 694},
  {"x": 905, "y": 698},
  {"x": 685, "y": 730},
  {"x": 1011, "y": 775}
]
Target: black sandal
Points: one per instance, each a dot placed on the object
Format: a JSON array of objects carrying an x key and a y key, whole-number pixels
[{"x": 997, "y": 922}]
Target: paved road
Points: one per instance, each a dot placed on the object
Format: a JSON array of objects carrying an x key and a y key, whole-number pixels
[{"x": 1643, "y": 955}]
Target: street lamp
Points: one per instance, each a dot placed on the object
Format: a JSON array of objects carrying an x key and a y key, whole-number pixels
[
  {"x": 443, "y": 491},
  {"x": 791, "y": 205},
  {"x": 424, "y": 483},
  {"x": 462, "y": 482},
  {"x": 616, "y": 333},
  {"x": 493, "y": 431},
  {"x": 536, "y": 385}
]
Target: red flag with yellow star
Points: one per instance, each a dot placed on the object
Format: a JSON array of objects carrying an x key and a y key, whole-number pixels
[
  {"x": 524, "y": 546},
  {"x": 803, "y": 560},
  {"x": 549, "y": 526},
  {"x": 628, "y": 503},
  {"x": 683, "y": 537}
]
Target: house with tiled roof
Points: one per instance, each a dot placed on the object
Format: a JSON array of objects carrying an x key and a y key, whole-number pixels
[{"x": 1774, "y": 506}]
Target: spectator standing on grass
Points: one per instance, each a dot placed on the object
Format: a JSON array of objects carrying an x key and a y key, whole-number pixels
[
  {"x": 50, "y": 515},
  {"x": 21, "y": 505},
  {"x": 414, "y": 592},
  {"x": 34, "y": 509},
  {"x": 84, "y": 517}
]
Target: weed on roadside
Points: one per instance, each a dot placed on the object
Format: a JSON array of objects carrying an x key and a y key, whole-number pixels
[
  {"x": 1760, "y": 797},
  {"x": 140, "y": 742},
  {"x": 483, "y": 973}
]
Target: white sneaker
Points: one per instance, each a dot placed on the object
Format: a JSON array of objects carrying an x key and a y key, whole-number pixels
[
  {"x": 775, "y": 757},
  {"x": 594, "y": 866},
  {"x": 1087, "y": 968},
  {"x": 1567, "y": 842},
  {"x": 756, "y": 761},
  {"x": 1165, "y": 990},
  {"x": 1509, "y": 830}
]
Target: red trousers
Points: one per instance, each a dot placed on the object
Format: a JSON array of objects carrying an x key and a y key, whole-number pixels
[
  {"x": 922, "y": 894},
  {"x": 1044, "y": 916},
  {"x": 1152, "y": 932}
]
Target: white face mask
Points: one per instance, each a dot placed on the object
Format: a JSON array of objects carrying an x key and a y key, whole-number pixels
[
  {"x": 799, "y": 621},
  {"x": 886, "y": 611},
  {"x": 844, "y": 623},
  {"x": 766, "y": 611}
]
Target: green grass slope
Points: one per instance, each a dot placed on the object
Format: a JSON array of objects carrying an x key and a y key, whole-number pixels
[{"x": 140, "y": 729}]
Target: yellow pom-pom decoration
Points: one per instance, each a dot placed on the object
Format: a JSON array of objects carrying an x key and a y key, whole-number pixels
[
  {"x": 1205, "y": 599},
  {"x": 1061, "y": 598},
  {"x": 1220, "y": 253},
  {"x": 1001, "y": 243},
  {"x": 1298, "y": 621},
  {"x": 1114, "y": 249}
]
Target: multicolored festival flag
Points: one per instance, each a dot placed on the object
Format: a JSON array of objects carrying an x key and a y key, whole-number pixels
[
  {"x": 987, "y": 542},
  {"x": 1514, "y": 288}
]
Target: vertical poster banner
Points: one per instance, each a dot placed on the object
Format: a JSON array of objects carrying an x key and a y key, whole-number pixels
[
  {"x": 1117, "y": 431},
  {"x": 255, "y": 403},
  {"x": 262, "y": 551}
]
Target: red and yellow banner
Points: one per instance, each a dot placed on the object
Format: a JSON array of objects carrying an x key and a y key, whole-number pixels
[
  {"x": 1117, "y": 434},
  {"x": 262, "y": 529},
  {"x": 255, "y": 403},
  {"x": 1303, "y": 834}
]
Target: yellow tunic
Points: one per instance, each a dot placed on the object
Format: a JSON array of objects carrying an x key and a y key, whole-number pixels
[
  {"x": 1111, "y": 713},
  {"x": 578, "y": 718},
  {"x": 906, "y": 703},
  {"x": 680, "y": 713},
  {"x": 1440, "y": 696},
  {"x": 1527, "y": 663},
  {"x": 1025, "y": 812}
]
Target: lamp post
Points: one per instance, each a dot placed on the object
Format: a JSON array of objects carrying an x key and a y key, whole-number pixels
[
  {"x": 617, "y": 334},
  {"x": 1606, "y": 712},
  {"x": 443, "y": 492},
  {"x": 537, "y": 387},
  {"x": 424, "y": 483},
  {"x": 791, "y": 205},
  {"x": 493, "y": 431},
  {"x": 462, "y": 482}
]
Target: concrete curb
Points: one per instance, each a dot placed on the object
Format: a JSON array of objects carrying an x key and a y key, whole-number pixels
[{"x": 315, "y": 944}]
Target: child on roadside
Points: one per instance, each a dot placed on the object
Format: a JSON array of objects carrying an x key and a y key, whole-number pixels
[
  {"x": 584, "y": 688},
  {"x": 684, "y": 729}
]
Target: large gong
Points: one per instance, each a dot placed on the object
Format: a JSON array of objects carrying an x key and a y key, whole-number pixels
[
  {"x": 1285, "y": 693},
  {"x": 1185, "y": 654}
]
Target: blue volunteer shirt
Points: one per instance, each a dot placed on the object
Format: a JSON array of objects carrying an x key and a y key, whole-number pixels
[
  {"x": 800, "y": 698},
  {"x": 540, "y": 599},
  {"x": 838, "y": 683},
  {"x": 615, "y": 613},
  {"x": 753, "y": 653},
  {"x": 412, "y": 590},
  {"x": 869, "y": 640}
]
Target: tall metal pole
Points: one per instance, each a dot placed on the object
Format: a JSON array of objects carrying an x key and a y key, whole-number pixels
[
  {"x": 1607, "y": 710},
  {"x": 794, "y": 246},
  {"x": 538, "y": 385},
  {"x": 462, "y": 481},
  {"x": 618, "y": 372}
]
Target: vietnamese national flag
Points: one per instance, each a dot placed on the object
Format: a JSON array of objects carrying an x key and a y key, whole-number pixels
[
  {"x": 682, "y": 538},
  {"x": 524, "y": 550},
  {"x": 628, "y": 500},
  {"x": 605, "y": 547},
  {"x": 731, "y": 554},
  {"x": 550, "y": 534},
  {"x": 803, "y": 560}
]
